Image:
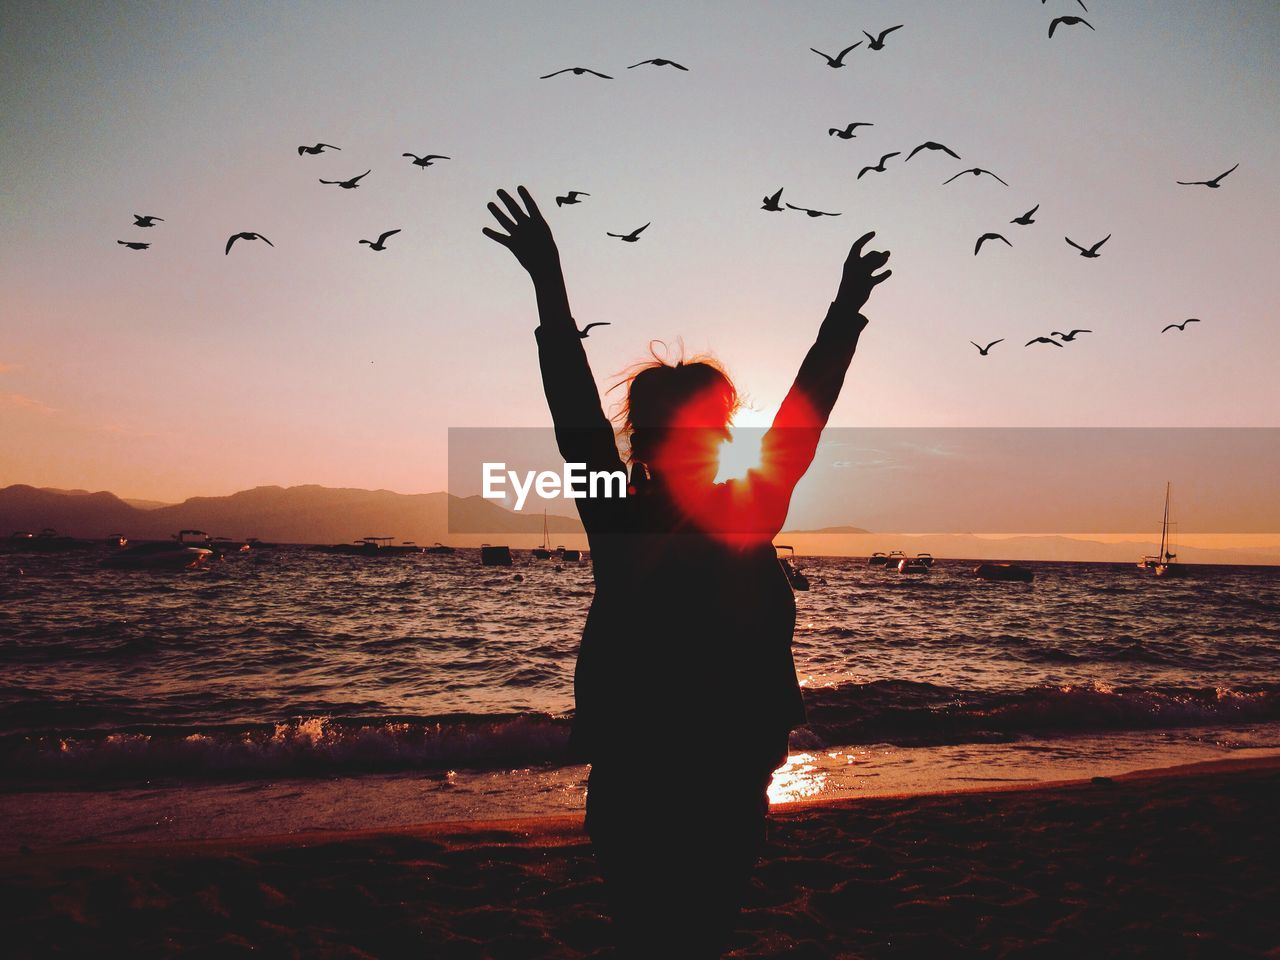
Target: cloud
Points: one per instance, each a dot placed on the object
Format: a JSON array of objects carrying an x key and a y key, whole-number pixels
[{"x": 25, "y": 403}]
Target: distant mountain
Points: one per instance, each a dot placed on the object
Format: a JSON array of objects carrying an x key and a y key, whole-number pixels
[{"x": 303, "y": 514}]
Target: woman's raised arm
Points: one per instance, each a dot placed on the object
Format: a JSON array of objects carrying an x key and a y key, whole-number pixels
[{"x": 583, "y": 433}]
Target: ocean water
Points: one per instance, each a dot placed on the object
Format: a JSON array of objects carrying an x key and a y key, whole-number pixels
[{"x": 286, "y": 690}]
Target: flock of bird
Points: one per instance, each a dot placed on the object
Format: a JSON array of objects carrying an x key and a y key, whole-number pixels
[{"x": 771, "y": 203}]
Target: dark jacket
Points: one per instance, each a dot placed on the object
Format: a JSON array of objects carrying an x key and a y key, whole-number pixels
[{"x": 687, "y": 645}]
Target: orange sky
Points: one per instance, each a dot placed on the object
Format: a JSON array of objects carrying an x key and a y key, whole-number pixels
[{"x": 180, "y": 371}]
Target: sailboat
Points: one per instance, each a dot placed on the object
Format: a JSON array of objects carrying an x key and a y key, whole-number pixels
[
  {"x": 1165, "y": 563},
  {"x": 543, "y": 552}
]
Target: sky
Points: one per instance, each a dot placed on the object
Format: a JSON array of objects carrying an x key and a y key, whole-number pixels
[{"x": 180, "y": 371}]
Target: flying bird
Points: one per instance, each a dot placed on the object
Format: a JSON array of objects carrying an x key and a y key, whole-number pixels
[
  {"x": 381, "y": 242},
  {"x": 571, "y": 198},
  {"x": 148, "y": 221},
  {"x": 879, "y": 167},
  {"x": 989, "y": 236},
  {"x": 1081, "y": 2},
  {"x": 658, "y": 62},
  {"x": 424, "y": 162},
  {"x": 877, "y": 43},
  {"x": 577, "y": 72},
  {"x": 246, "y": 236},
  {"x": 631, "y": 237},
  {"x": 1182, "y": 325},
  {"x": 133, "y": 244},
  {"x": 771, "y": 203},
  {"x": 931, "y": 145},
  {"x": 1092, "y": 252},
  {"x": 1069, "y": 335},
  {"x": 812, "y": 213},
  {"x": 1213, "y": 184},
  {"x": 976, "y": 171},
  {"x": 318, "y": 148},
  {"x": 1025, "y": 220},
  {"x": 982, "y": 351},
  {"x": 1070, "y": 22},
  {"x": 1043, "y": 340},
  {"x": 585, "y": 330},
  {"x": 847, "y": 133},
  {"x": 837, "y": 61},
  {"x": 349, "y": 184}
]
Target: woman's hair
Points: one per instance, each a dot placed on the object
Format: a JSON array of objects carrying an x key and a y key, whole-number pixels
[{"x": 659, "y": 390}]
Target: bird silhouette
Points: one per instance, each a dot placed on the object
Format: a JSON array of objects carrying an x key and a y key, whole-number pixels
[
  {"x": 879, "y": 167},
  {"x": 976, "y": 171},
  {"x": 989, "y": 236},
  {"x": 631, "y": 237},
  {"x": 577, "y": 72},
  {"x": 1069, "y": 22},
  {"x": 571, "y": 198},
  {"x": 318, "y": 148},
  {"x": 931, "y": 145},
  {"x": 1081, "y": 2},
  {"x": 246, "y": 236},
  {"x": 658, "y": 62},
  {"x": 381, "y": 242},
  {"x": 146, "y": 221},
  {"x": 877, "y": 43},
  {"x": 982, "y": 351},
  {"x": 424, "y": 162},
  {"x": 1069, "y": 335},
  {"x": 349, "y": 184},
  {"x": 585, "y": 330},
  {"x": 1025, "y": 220},
  {"x": 812, "y": 213},
  {"x": 847, "y": 133},
  {"x": 837, "y": 61},
  {"x": 1180, "y": 326},
  {"x": 771, "y": 203},
  {"x": 1213, "y": 184},
  {"x": 1092, "y": 252},
  {"x": 133, "y": 244},
  {"x": 1044, "y": 340}
]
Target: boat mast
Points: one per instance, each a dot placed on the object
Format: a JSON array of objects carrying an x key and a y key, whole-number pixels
[{"x": 1164, "y": 526}]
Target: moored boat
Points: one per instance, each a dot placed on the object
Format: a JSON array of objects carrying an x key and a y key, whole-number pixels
[
  {"x": 1165, "y": 563},
  {"x": 1007, "y": 572}
]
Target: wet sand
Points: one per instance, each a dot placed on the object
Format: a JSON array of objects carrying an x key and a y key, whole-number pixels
[{"x": 1176, "y": 862}]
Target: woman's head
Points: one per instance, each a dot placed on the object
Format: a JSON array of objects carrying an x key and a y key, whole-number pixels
[{"x": 676, "y": 415}]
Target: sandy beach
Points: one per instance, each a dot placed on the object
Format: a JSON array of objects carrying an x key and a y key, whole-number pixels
[{"x": 1177, "y": 862}]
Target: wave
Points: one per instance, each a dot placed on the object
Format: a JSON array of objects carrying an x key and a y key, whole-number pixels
[
  {"x": 921, "y": 714},
  {"x": 301, "y": 747}
]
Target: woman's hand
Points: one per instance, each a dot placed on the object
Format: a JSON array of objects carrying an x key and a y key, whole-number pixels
[
  {"x": 528, "y": 236},
  {"x": 860, "y": 276}
]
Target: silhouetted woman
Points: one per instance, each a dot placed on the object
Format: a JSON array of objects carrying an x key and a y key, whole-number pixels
[{"x": 685, "y": 688}]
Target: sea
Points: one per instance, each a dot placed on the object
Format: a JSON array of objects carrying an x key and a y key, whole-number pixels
[{"x": 285, "y": 690}]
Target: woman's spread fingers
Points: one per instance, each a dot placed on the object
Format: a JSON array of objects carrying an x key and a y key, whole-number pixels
[
  {"x": 875, "y": 259},
  {"x": 881, "y": 277},
  {"x": 502, "y": 238},
  {"x": 511, "y": 205},
  {"x": 527, "y": 197},
  {"x": 862, "y": 241},
  {"x": 503, "y": 220}
]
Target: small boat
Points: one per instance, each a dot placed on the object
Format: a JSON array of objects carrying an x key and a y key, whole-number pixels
[
  {"x": 925, "y": 558},
  {"x": 877, "y": 559},
  {"x": 495, "y": 556},
  {"x": 890, "y": 560},
  {"x": 569, "y": 556},
  {"x": 439, "y": 548},
  {"x": 543, "y": 552},
  {"x": 1006, "y": 572},
  {"x": 180, "y": 553},
  {"x": 914, "y": 565},
  {"x": 795, "y": 576},
  {"x": 47, "y": 540},
  {"x": 1165, "y": 563},
  {"x": 117, "y": 540}
]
